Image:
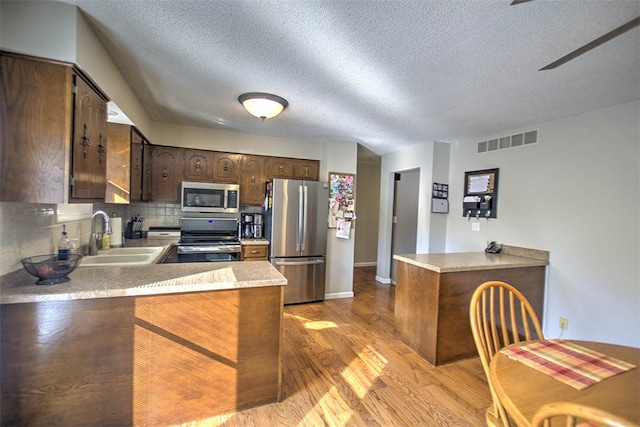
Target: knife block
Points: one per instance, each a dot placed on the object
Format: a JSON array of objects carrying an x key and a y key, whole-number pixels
[{"x": 130, "y": 233}]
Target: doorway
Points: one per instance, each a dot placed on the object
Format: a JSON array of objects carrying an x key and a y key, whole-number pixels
[{"x": 404, "y": 227}]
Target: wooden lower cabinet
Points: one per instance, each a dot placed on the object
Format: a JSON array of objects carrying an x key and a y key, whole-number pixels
[
  {"x": 148, "y": 360},
  {"x": 255, "y": 253},
  {"x": 432, "y": 309}
]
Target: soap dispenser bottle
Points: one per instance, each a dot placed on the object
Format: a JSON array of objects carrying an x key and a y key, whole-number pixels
[{"x": 63, "y": 245}]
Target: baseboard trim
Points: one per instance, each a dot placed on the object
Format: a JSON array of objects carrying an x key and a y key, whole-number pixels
[
  {"x": 339, "y": 295},
  {"x": 383, "y": 280},
  {"x": 365, "y": 264}
]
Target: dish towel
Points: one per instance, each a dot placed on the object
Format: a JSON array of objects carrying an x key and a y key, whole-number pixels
[{"x": 570, "y": 363}]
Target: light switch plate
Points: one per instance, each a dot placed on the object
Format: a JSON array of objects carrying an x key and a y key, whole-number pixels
[{"x": 475, "y": 226}]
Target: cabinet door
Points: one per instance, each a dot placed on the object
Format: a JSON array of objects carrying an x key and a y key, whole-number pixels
[
  {"x": 118, "y": 163},
  {"x": 137, "y": 170},
  {"x": 308, "y": 170},
  {"x": 280, "y": 167},
  {"x": 198, "y": 165},
  {"x": 35, "y": 130},
  {"x": 89, "y": 159},
  {"x": 147, "y": 165},
  {"x": 252, "y": 181},
  {"x": 225, "y": 167},
  {"x": 166, "y": 174}
]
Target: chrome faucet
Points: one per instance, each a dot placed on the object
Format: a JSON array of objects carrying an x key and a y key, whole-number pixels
[{"x": 93, "y": 240}]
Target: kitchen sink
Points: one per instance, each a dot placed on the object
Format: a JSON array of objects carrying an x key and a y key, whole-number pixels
[
  {"x": 123, "y": 257},
  {"x": 134, "y": 251}
]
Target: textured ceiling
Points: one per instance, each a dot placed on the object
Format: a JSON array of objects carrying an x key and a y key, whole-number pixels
[{"x": 385, "y": 74}]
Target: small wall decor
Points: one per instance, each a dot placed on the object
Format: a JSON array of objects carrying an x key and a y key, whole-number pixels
[
  {"x": 342, "y": 201},
  {"x": 439, "y": 198},
  {"x": 481, "y": 194}
]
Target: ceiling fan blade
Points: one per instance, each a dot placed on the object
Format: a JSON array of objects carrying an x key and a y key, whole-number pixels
[
  {"x": 515, "y": 2},
  {"x": 597, "y": 42}
]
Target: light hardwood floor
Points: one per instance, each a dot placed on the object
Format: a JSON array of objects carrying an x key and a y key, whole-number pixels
[{"x": 344, "y": 365}]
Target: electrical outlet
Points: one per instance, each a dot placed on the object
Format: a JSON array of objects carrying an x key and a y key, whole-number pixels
[
  {"x": 564, "y": 323},
  {"x": 475, "y": 226}
]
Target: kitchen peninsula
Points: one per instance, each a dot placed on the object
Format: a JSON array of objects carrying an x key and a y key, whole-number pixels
[
  {"x": 433, "y": 293},
  {"x": 161, "y": 344}
]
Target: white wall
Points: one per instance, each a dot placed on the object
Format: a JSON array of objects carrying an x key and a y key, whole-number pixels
[
  {"x": 340, "y": 157},
  {"x": 422, "y": 157},
  {"x": 576, "y": 194},
  {"x": 25, "y": 27},
  {"x": 223, "y": 140}
]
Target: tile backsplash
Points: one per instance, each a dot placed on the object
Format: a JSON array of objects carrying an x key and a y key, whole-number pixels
[{"x": 28, "y": 229}]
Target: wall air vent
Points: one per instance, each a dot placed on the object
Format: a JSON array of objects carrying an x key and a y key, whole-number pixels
[{"x": 517, "y": 140}]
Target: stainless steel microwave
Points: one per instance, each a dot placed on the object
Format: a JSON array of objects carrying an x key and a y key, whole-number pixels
[{"x": 209, "y": 197}]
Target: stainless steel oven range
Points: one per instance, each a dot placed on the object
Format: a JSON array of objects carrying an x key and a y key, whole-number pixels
[{"x": 209, "y": 240}]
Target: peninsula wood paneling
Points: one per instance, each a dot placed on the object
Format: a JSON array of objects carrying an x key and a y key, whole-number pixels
[
  {"x": 432, "y": 309},
  {"x": 155, "y": 360}
]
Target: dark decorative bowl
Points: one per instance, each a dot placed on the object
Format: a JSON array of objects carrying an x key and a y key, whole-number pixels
[{"x": 51, "y": 269}]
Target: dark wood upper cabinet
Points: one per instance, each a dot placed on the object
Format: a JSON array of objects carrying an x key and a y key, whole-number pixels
[
  {"x": 137, "y": 165},
  {"x": 147, "y": 165},
  {"x": 166, "y": 173},
  {"x": 56, "y": 146},
  {"x": 226, "y": 167},
  {"x": 89, "y": 158},
  {"x": 53, "y": 133},
  {"x": 279, "y": 167},
  {"x": 198, "y": 165},
  {"x": 308, "y": 170},
  {"x": 252, "y": 180}
]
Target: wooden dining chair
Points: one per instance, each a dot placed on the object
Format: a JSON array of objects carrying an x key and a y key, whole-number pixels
[
  {"x": 567, "y": 414},
  {"x": 500, "y": 315}
]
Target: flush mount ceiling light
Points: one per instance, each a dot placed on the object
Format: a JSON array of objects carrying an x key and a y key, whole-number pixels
[{"x": 263, "y": 105}]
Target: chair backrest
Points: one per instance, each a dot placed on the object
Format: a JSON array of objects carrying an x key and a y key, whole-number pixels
[
  {"x": 568, "y": 414},
  {"x": 500, "y": 315}
]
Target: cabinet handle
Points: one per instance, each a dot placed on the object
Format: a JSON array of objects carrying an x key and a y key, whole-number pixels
[
  {"x": 226, "y": 168},
  {"x": 198, "y": 165},
  {"x": 165, "y": 174},
  {"x": 253, "y": 179},
  {"x": 306, "y": 172},
  {"x": 281, "y": 169},
  {"x": 255, "y": 252},
  {"x": 101, "y": 149},
  {"x": 85, "y": 141}
]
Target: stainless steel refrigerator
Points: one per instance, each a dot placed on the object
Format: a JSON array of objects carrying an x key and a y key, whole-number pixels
[{"x": 295, "y": 223}]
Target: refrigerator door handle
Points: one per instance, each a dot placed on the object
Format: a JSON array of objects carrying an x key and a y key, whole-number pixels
[
  {"x": 305, "y": 197},
  {"x": 315, "y": 261},
  {"x": 300, "y": 233}
]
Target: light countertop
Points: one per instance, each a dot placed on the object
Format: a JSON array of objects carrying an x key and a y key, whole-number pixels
[
  {"x": 249, "y": 242},
  {"x": 154, "y": 279},
  {"x": 471, "y": 261}
]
